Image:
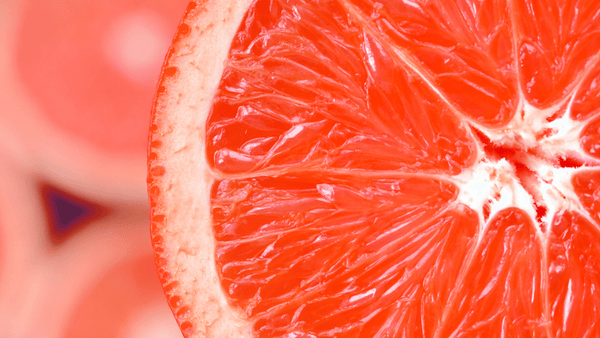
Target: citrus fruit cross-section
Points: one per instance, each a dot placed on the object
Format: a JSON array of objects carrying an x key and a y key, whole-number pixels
[{"x": 352, "y": 168}]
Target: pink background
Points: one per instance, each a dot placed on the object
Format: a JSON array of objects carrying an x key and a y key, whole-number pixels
[{"x": 77, "y": 79}]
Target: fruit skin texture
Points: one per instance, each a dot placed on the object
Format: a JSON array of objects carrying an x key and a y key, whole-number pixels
[{"x": 496, "y": 290}]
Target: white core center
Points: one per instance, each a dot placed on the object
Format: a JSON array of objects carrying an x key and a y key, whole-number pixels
[{"x": 520, "y": 166}]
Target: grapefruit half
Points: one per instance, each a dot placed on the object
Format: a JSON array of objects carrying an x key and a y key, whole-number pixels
[{"x": 350, "y": 168}]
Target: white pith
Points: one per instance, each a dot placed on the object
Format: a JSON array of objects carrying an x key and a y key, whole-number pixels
[
  {"x": 494, "y": 182},
  {"x": 189, "y": 243}
]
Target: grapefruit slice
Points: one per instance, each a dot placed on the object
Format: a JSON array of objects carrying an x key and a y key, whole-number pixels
[{"x": 348, "y": 168}]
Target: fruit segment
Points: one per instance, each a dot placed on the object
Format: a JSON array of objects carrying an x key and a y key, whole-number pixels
[
  {"x": 333, "y": 257},
  {"x": 573, "y": 269},
  {"x": 502, "y": 293},
  {"x": 586, "y": 186},
  {"x": 586, "y": 102},
  {"x": 590, "y": 138},
  {"x": 557, "y": 44},
  {"x": 463, "y": 48},
  {"x": 294, "y": 96}
]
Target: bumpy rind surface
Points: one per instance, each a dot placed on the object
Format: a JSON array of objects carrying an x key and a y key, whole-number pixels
[{"x": 178, "y": 177}]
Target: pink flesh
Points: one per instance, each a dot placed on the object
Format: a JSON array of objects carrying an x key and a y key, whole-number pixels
[{"x": 367, "y": 115}]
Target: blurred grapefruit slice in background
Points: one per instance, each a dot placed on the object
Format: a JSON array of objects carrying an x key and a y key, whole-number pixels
[
  {"x": 127, "y": 302},
  {"x": 82, "y": 76},
  {"x": 77, "y": 80},
  {"x": 103, "y": 269},
  {"x": 327, "y": 168}
]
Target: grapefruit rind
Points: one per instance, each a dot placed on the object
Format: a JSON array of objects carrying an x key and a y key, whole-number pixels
[{"x": 178, "y": 171}]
